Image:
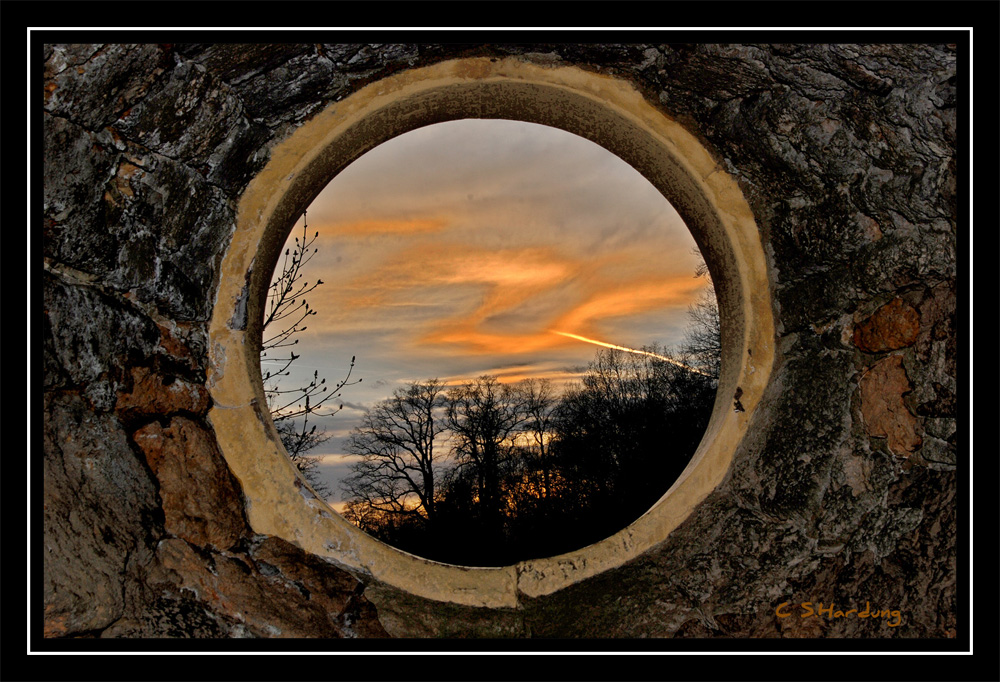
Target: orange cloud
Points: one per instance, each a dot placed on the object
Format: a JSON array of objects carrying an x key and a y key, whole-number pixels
[
  {"x": 488, "y": 281},
  {"x": 431, "y": 293},
  {"x": 516, "y": 374},
  {"x": 466, "y": 334},
  {"x": 473, "y": 342},
  {"x": 474, "y": 300},
  {"x": 630, "y": 298}
]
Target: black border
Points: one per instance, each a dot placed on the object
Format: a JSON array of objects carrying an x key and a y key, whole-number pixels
[{"x": 971, "y": 14}]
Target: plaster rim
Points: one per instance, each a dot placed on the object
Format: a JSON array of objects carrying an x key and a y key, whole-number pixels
[{"x": 280, "y": 503}]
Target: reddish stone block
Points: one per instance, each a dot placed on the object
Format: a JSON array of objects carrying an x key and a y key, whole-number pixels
[
  {"x": 882, "y": 407},
  {"x": 893, "y": 326},
  {"x": 201, "y": 503}
]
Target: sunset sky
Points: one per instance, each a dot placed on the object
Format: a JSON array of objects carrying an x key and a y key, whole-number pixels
[{"x": 460, "y": 249}]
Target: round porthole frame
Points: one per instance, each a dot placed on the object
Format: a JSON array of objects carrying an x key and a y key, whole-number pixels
[{"x": 604, "y": 109}]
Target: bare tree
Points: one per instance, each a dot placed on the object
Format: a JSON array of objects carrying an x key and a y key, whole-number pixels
[
  {"x": 703, "y": 340},
  {"x": 291, "y": 408},
  {"x": 397, "y": 440},
  {"x": 539, "y": 407},
  {"x": 484, "y": 417},
  {"x": 630, "y": 426}
]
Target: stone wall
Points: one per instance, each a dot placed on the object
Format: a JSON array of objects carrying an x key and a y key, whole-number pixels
[{"x": 843, "y": 490}]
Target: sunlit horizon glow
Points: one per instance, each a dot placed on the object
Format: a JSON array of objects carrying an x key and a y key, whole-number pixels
[{"x": 456, "y": 249}]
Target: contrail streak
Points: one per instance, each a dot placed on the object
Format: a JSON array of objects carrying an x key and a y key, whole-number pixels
[{"x": 631, "y": 350}]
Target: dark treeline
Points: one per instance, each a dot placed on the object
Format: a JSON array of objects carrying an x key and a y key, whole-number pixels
[{"x": 487, "y": 474}]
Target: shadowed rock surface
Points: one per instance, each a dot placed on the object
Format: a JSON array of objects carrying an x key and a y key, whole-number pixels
[{"x": 843, "y": 491}]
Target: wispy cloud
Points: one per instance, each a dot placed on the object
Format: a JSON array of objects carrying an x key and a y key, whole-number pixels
[
  {"x": 454, "y": 250},
  {"x": 381, "y": 227}
]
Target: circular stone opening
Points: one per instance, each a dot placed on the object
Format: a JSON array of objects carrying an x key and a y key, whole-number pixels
[
  {"x": 604, "y": 110},
  {"x": 536, "y": 343}
]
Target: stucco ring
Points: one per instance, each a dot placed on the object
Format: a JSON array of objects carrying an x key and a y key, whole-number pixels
[{"x": 603, "y": 109}]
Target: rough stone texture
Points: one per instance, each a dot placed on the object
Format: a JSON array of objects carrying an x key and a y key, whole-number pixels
[
  {"x": 844, "y": 490},
  {"x": 124, "y": 72},
  {"x": 100, "y": 511}
]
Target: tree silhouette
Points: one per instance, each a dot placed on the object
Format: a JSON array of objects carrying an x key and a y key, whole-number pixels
[
  {"x": 285, "y": 315},
  {"x": 539, "y": 406},
  {"x": 702, "y": 338},
  {"x": 630, "y": 427},
  {"x": 484, "y": 417},
  {"x": 397, "y": 441}
]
